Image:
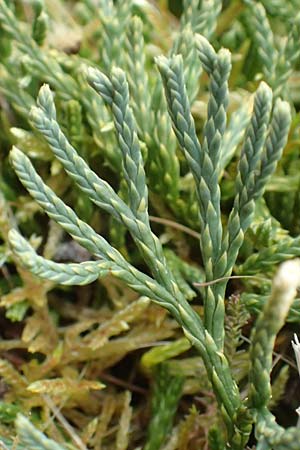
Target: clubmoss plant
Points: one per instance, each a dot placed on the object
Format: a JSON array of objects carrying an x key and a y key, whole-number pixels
[
  {"x": 201, "y": 153},
  {"x": 263, "y": 144}
]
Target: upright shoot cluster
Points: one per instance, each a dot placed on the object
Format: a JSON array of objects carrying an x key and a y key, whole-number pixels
[{"x": 220, "y": 247}]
